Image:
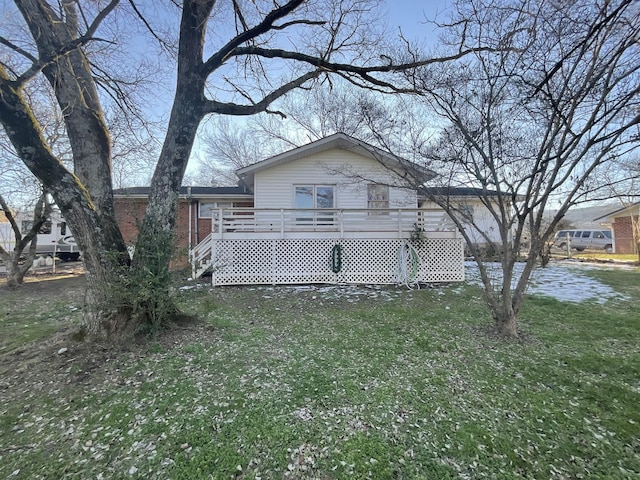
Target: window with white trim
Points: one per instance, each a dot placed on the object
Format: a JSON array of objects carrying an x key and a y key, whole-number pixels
[
  {"x": 377, "y": 198},
  {"x": 315, "y": 196}
]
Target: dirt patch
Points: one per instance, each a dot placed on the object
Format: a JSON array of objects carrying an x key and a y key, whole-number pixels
[{"x": 63, "y": 358}]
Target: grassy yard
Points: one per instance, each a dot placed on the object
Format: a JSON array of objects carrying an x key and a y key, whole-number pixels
[
  {"x": 600, "y": 256},
  {"x": 330, "y": 382}
]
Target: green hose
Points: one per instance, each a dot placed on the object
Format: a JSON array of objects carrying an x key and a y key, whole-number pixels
[{"x": 336, "y": 258}]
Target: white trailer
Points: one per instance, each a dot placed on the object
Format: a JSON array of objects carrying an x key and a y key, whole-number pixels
[{"x": 55, "y": 239}]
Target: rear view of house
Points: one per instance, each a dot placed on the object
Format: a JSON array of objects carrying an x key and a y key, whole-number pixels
[{"x": 334, "y": 211}]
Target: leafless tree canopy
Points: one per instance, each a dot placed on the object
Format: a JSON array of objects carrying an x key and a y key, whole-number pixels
[
  {"x": 533, "y": 121},
  {"x": 233, "y": 57}
]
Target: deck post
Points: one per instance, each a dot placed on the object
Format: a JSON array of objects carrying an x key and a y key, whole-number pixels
[
  {"x": 341, "y": 220},
  {"x": 399, "y": 223},
  {"x": 220, "y": 223},
  {"x": 282, "y": 223}
]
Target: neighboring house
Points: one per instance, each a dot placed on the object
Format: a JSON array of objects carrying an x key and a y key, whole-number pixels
[
  {"x": 581, "y": 217},
  {"x": 7, "y": 239},
  {"x": 625, "y": 224},
  {"x": 334, "y": 211}
]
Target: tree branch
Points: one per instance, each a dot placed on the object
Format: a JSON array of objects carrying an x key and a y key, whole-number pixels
[{"x": 212, "y": 106}]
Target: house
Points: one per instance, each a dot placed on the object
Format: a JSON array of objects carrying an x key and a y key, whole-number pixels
[
  {"x": 7, "y": 240},
  {"x": 194, "y": 211},
  {"x": 471, "y": 204},
  {"x": 625, "y": 224},
  {"x": 333, "y": 211}
]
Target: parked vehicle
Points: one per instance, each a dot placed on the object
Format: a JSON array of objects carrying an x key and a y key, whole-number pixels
[
  {"x": 583, "y": 239},
  {"x": 55, "y": 239}
]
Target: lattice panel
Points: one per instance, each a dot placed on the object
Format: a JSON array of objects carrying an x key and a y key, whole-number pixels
[
  {"x": 442, "y": 260},
  {"x": 291, "y": 261}
]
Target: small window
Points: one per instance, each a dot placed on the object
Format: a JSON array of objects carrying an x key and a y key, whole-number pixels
[
  {"x": 377, "y": 198},
  {"x": 304, "y": 197},
  {"x": 314, "y": 196},
  {"x": 466, "y": 212},
  {"x": 205, "y": 209},
  {"x": 63, "y": 228},
  {"x": 586, "y": 234},
  {"x": 45, "y": 229}
]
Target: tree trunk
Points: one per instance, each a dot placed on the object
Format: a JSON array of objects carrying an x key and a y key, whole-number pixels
[
  {"x": 16, "y": 271},
  {"x": 506, "y": 322},
  {"x": 156, "y": 239},
  {"x": 104, "y": 251}
]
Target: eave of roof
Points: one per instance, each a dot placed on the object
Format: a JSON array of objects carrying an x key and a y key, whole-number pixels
[
  {"x": 188, "y": 192},
  {"x": 614, "y": 212},
  {"x": 462, "y": 192}
]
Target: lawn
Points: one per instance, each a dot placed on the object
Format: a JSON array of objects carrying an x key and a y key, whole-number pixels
[{"x": 330, "y": 382}]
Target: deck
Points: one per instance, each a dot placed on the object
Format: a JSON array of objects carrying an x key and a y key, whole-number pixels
[{"x": 293, "y": 246}]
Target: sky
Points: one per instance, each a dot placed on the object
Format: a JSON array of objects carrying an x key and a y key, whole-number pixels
[{"x": 411, "y": 16}]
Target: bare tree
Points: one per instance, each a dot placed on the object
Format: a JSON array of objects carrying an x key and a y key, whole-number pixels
[
  {"x": 532, "y": 122},
  {"x": 228, "y": 146},
  {"x": 257, "y": 52},
  {"x": 134, "y": 146},
  {"x": 19, "y": 259}
]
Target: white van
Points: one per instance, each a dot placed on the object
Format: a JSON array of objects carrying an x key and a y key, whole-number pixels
[{"x": 583, "y": 239}]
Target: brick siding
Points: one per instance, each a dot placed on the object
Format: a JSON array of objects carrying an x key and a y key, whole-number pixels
[
  {"x": 623, "y": 232},
  {"x": 129, "y": 213}
]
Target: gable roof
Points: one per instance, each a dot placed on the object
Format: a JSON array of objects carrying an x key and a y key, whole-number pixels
[{"x": 336, "y": 141}]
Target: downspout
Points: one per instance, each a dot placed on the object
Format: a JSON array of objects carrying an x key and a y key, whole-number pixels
[
  {"x": 190, "y": 208},
  {"x": 197, "y": 217}
]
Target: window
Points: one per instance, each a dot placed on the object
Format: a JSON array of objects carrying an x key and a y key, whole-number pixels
[
  {"x": 205, "y": 209},
  {"x": 378, "y": 198},
  {"x": 466, "y": 212},
  {"x": 45, "y": 229},
  {"x": 598, "y": 235},
  {"x": 586, "y": 234},
  {"x": 63, "y": 228},
  {"x": 315, "y": 196}
]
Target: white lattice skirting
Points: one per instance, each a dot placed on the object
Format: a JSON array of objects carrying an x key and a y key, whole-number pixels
[{"x": 303, "y": 261}]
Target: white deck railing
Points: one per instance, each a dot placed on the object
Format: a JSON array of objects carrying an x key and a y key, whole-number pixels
[
  {"x": 256, "y": 223},
  {"x": 257, "y": 245}
]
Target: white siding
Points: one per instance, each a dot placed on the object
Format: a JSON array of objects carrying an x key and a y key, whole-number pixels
[
  {"x": 274, "y": 187},
  {"x": 482, "y": 217}
]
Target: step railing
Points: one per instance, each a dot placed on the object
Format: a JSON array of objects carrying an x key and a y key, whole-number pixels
[{"x": 200, "y": 256}]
